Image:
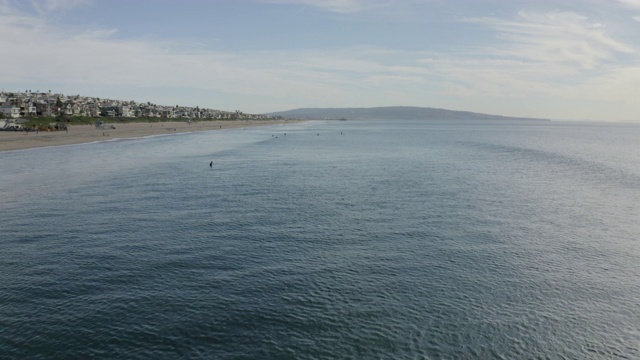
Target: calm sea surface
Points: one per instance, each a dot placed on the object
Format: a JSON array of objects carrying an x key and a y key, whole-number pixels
[{"x": 356, "y": 239}]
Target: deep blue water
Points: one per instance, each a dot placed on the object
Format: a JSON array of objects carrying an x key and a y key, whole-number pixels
[{"x": 357, "y": 239}]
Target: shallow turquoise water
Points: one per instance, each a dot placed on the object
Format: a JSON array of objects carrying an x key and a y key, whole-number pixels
[{"x": 357, "y": 239}]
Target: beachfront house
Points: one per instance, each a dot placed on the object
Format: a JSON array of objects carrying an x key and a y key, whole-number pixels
[
  {"x": 167, "y": 113},
  {"x": 92, "y": 110},
  {"x": 28, "y": 109},
  {"x": 110, "y": 110},
  {"x": 10, "y": 111},
  {"x": 45, "y": 109},
  {"x": 125, "y": 111}
]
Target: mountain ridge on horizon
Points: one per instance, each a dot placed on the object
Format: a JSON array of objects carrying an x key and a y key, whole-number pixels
[{"x": 391, "y": 113}]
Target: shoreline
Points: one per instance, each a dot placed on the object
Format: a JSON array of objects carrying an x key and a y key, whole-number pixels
[{"x": 79, "y": 134}]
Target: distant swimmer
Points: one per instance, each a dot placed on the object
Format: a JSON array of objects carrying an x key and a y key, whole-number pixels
[{"x": 211, "y": 164}]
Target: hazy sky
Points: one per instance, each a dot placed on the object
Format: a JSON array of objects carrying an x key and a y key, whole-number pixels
[{"x": 558, "y": 59}]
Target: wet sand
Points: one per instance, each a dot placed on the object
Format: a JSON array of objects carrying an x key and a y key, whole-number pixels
[{"x": 77, "y": 134}]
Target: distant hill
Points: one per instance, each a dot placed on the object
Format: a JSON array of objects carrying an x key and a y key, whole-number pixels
[{"x": 389, "y": 113}]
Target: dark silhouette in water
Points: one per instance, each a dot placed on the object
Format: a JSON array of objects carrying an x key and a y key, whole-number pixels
[{"x": 211, "y": 164}]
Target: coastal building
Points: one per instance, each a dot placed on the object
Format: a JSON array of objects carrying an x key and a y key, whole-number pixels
[
  {"x": 92, "y": 110},
  {"x": 110, "y": 111},
  {"x": 47, "y": 104},
  {"x": 124, "y": 111},
  {"x": 11, "y": 111},
  {"x": 167, "y": 113},
  {"x": 28, "y": 109}
]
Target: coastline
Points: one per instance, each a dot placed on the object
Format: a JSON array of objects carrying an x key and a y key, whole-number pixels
[{"x": 78, "y": 134}]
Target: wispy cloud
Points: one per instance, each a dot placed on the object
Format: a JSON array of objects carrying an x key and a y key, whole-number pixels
[
  {"x": 552, "y": 56},
  {"x": 50, "y": 6},
  {"x": 337, "y": 6},
  {"x": 556, "y": 38},
  {"x": 543, "y": 57},
  {"x": 630, "y": 3},
  {"x": 42, "y": 53}
]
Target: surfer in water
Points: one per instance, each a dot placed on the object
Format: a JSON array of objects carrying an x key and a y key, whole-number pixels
[{"x": 211, "y": 164}]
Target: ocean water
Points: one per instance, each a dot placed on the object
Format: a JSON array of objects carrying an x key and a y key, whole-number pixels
[{"x": 326, "y": 240}]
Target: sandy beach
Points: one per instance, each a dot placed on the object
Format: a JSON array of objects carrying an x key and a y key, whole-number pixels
[{"x": 77, "y": 134}]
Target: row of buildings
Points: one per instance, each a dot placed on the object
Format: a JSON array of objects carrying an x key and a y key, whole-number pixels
[{"x": 46, "y": 104}]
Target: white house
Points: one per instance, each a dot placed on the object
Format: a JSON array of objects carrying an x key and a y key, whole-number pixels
[
  {"x": 10, "y": 111},
  {"x": 126, "y": 111},
  {"x": 30, "y": 109}
]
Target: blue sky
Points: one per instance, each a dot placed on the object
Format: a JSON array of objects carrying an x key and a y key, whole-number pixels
[{"x": 574, "y": 60}]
